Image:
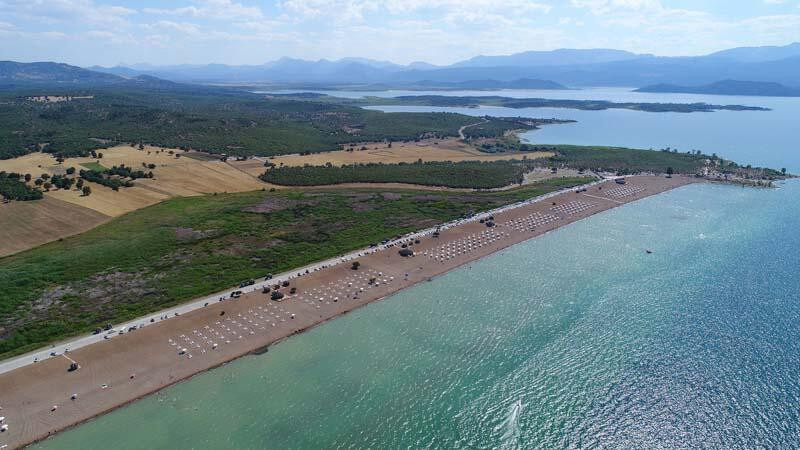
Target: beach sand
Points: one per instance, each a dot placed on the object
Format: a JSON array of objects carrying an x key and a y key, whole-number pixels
[{"x": 117, "y": 371}]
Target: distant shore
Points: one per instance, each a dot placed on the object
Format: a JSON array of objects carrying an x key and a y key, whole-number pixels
[{"x": 117, "y": 371}]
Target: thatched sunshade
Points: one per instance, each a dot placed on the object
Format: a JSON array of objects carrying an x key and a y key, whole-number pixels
[{"x": 406, "y": 252}]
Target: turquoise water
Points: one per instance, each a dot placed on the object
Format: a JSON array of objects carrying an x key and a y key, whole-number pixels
[{"x": 575, "y": 339}]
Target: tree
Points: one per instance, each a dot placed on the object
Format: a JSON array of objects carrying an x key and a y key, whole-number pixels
[
  {"x": 79, "y": 183},
  {"x": 670, "y": 171},
  {"x": 70, "y": 171},
  {"x": 28, "y": 178},
  {"x": 783, "y": 170},
  {"x": 47, "y": 186},
  {"x": 39, "y": 182},
  {"x": 86, "y": 191}
]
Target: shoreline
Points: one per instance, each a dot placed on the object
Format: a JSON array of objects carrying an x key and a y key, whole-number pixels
[{"x": 116, "y": 372}]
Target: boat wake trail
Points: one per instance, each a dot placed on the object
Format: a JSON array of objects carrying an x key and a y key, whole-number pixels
[{"x": 510, "y": 427}]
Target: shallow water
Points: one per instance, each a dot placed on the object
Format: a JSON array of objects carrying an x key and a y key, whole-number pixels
[{"x": 575, "y": 339}]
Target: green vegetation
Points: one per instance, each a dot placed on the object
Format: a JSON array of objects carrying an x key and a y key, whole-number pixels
[
  {"x": 465, "y": 174},
  {"x": 184, "y": 248},
  {"x": 100, "y": 178},
  {"x": 127, "y": 172},
  {"x": 229, "y": 122},
  {"x": 94, "y": 166},
  {"x": 624, "y": 160},
  {"x": 631, "y": 161},
  {"x": 12, "y": 187},
  {"x": 493, "y": 127}
]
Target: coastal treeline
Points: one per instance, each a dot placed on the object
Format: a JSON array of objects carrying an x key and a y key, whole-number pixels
[
  {"x": 465, "y": 174},
  {"x": 129, "y": 267},
  {"x": 234, "y": 123},
  {"x": 626, "y": 161}
]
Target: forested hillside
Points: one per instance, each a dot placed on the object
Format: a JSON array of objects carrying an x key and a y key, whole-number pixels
[{"x": 231, "y": 122}]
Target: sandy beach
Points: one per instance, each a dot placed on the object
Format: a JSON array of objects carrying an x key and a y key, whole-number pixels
[{"x": 41, "y": 399}]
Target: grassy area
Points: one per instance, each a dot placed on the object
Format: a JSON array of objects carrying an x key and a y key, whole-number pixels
[
  {"x": 188, "y": 247},
  {"x": 464, "y": 174},
  {"x": 97, "y": 167}
]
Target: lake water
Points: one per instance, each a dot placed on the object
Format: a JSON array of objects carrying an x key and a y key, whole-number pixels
[
  {"x": 576, "y": 339},
  {"x": 764, "y": 138}
]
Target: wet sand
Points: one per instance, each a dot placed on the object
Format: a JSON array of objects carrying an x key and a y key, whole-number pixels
[{"x": 124, "y": 368}]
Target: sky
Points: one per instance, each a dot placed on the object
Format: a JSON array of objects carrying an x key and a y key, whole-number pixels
[{"x": 111, "y": 32}]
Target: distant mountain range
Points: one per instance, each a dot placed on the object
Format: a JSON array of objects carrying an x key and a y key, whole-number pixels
[
  {"x": 570, "y": 67},
  {"x": 561, "y": 57},
  {"x": 729, "y": 87},
  {"x": 15, "y": 74},
  {"x": 528, "y": 70}
]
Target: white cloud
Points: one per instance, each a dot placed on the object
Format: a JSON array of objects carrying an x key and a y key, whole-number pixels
[
  {"x": 168, "y": 25},
  {"x": 468, "y": 11},
  {"x": 66, "y": 11},
  {"x": 211, "y": 9}
]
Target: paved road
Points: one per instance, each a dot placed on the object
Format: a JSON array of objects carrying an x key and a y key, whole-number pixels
[{"x": 59, "y": 349}]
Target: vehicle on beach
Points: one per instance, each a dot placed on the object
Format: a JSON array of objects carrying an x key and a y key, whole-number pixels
[
  {"x": 236, "y": 294},
  {"x": 620, "y": 181}
]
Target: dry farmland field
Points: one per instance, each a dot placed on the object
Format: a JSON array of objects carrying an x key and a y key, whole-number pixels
[
  {"x": 406, "y": 152},
  {"x": 62, "y": 212},
  {"x": 24, "y": 225}
]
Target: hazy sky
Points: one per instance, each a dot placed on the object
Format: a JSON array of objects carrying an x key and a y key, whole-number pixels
[{"x": 107, "y": 32}]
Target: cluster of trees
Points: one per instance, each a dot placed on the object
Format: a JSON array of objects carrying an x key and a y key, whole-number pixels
[
  {"x": 127, "y": 172},
  {"x": 98, "y": 177},
  {"x": 466, "y": 174},
  {"x": 62, "y": 181},
  {"x": 624, "y": 160},
  {"x": 13, "y": 187},
  {"x": 494, "y": 128}
]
